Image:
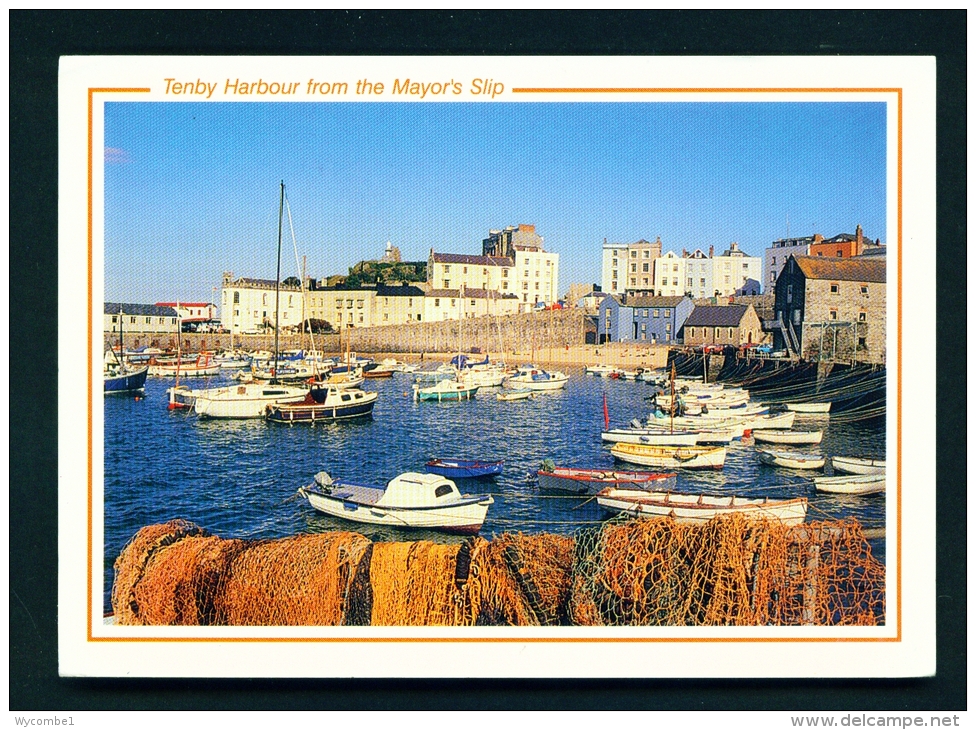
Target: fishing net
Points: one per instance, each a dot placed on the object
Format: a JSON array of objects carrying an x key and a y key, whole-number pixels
[
  {"x": 627, "y": 572},
  {"x": 521, "y": 580},
  {"x": 727, "y": 571},
  {"x": 295, "y": 581},
  {"x": 133, "y": 563}
]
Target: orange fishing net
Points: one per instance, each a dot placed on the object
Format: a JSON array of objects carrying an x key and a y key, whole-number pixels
[{"x": 628, "y": 572}]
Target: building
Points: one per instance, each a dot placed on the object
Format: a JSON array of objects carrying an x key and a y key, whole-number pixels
[
  {"x": 628, "y": 268},
  {"x": 830, "y": 308},
  {"x": 248, "y": 305},
  {"x": 193, "y": 313},
  {"x": 576, "y": 292},
  {"x": 536, "y": 278},
  {"x": 843, "y": 245},
  {"x": 669, "y": 274},
  {"x": 391, "y": 255},
  {"x": 454, "y": 270},
  {"x": 443, "y": 304},
  {"x": 733, "y": 324},
  {"x": 654, "y": 320},
  {"x": 138, "y": 318},
  {"x": 506, "y": 242}
]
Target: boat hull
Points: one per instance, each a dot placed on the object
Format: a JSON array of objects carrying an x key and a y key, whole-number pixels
[
  {"x": 791, "y": 461},
  {"x": 593, "y": 481},
  {"x": 851, "y": 465},
  {"x": 788, "y": 437},
  {"x": 316, "y": 412},
  {"x": 855, "y": 484},
  {"x": 653, "y": 437},
  {"x": 463, "y": 519},
  {"x": 698, "y": 509},
  {"x": 808, "y": 407},
  {"x": 455, "y": 469},
  {"x": 126, "y": 383},
  {"x": 667, "y": 457},
  {"x": 243, "y": 401}
]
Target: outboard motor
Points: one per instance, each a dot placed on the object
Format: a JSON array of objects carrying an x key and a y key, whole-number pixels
[{"x": 324, "y": 480}]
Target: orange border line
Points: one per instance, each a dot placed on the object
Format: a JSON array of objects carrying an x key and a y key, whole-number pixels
[
  {"x": 91, "y": 326},
  {"x": 521, "y": 640}
]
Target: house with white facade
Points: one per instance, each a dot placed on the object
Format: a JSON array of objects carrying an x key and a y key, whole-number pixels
[
  {"x": 248, "y": 305},
  {"x": 137, "y": 318}
]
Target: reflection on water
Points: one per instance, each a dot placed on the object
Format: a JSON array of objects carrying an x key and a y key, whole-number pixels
[{"x": 239, "y": 478}]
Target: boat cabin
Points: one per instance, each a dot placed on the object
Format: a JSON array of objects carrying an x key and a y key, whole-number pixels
[{"x": 414, "y": 489}]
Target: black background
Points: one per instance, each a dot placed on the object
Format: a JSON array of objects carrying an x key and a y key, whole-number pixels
[{"x": 37, "y": 39}]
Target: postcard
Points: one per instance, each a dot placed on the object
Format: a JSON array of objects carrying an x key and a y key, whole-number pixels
[{"x": 496, "y": 367}]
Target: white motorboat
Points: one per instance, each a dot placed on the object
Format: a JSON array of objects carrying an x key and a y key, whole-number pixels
[
  {"x": 671, "y": 457},
  {"x": 791, "y": 460},
  {"x": 854, "y": 465},
  {"x": 700, "y": 508},
  {"x": 652, "y": 436},
  {"x": 248, "y": 400},
  {"x": 780, "y": 436},
  {"x": 517, "y": 395},
  {"x": 411, "y": 500},
  {"x": 851, "y": 484},
  {"x": 600, "y": 371},
  {"x": 533, "y": 378},
  {"x": 445, "y": 390}
]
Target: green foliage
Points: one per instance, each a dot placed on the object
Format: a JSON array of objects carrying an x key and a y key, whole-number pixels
[{"x": 375, "y": 272}]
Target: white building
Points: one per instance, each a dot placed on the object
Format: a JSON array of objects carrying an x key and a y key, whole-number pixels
[
  {"x": 136, "y": 318},
  {"x": 536, "y": 278},
  {"x": 443, "y": 304},
  {"x": 700, "y": 275},
  {"x": 454, "y": 270},
  {"x": 248, "y": 305},
  {"x": 776, "y": 256},
  {"x": 614, "y": 268}
]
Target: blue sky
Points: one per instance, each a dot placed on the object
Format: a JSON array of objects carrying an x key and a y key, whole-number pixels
[{"x": 191, "y": 189}]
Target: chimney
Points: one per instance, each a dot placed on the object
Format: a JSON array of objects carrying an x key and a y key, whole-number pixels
[
  {"x": 684, "y": 253},
  {"x": 817, "y": 238},
  {"x": 711, "y": 251},
  {"x": 859, "y": 243}
]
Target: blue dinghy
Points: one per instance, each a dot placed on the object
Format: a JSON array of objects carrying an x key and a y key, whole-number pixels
[{"x": 463, "y": 468}]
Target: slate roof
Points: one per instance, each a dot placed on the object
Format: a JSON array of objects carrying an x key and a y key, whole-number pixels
[
  {"x": 406, "y": 290},
  {"x": 652, "y": 301},
  {"x": 470, "y": 294},
  {"x": 463, "y": 258},
  {"x": 856, "y": 268},
  {"x": 139, "y": 310},
  {"x": 716, "y": 316},
  {"x": 262, "y": 284}
]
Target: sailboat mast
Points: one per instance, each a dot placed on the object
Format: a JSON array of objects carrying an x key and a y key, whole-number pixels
[
  {"x": 281, "y": 211},
  {"x": 672, "y": 397}
]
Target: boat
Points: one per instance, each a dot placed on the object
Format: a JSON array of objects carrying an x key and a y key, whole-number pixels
[
  {"x": 788, "y": 437},
  {"x": 120, "y": 376},
  {"x": 808, "y": 407},
  {"x": 463, "y": 468},
  {"x": 653, "y": 436},
  {"x": 203, "y": 366},
  {"x": 851, "y": 484},
  {"x": 517, "y": 395},
  {"x": 445, "y": 390},
  {"x": 292, "y": 371},
  {"x": 671, "y": 457},
  {"x": 854, "y": 465},
  {"x": 410, "y": 500},
  {"x": 380, "y": 371},
  {"x": 591, "y": 481},
  {"x": 352, "y": 379},
  {"x": 533, "y": 378},
  {"x": 248, "y": 400},
  {"x": 791, "y": 460},
  {"x": 600, "y": 371},
  {"x": 324, "y": 403},
  {"x": 699, "y": 508}
]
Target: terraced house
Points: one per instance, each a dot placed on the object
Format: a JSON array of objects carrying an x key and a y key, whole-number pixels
[
  {"x": 654, "y": 320},
  {"x": 732, "y": 324}
]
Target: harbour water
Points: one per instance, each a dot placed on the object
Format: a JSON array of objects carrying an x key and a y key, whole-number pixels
[{"x": 240, "y": 478}]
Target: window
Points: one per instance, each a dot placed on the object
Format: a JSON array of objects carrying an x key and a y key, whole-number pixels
[
  {"x": 774, "y": 261},
  {"x": 349, "y": 304},
  {"x": 525, "y": 286},
  {"x": 505, "y": 273},
  {"x": 615, "y": 254},
  {"x": 132, "y": 320},
  {"x": 472, "y": 303},
  {"x": 454, "y": 302},
  {"x": 674, "y": 267},
  {"x": 674, "y": 281},
  {"x": 505, "y": 284},
  {"x": 864, "y": 290},
  {"x": 840, "y": 253},
  {"x": 465, "y": 270},
  {"x": 731, "y": 333},
  {"x": 359, "y": 304},
  {"x": 667, "y": 327},
  {"x": 237, "y": 297},
  {"x": 115, "y": 319},
  {"x": 789, "y": 293},
  {"x": 633, "y": 268},
  {"x": 835, "y": 288},
  {"x": 442, "y": 490},
  {"x": 338, "y": 304},
  {"x": 727, "y": 279},
  {"x": 862, "y": 343},
  {"x": 264, "y": 300},
  {"x": 643, "y": 327},
  {"x": 289, "y": 300},
  {"x": 833, "y": 314},
  {"x": 284, "y": 315},
  {"x": 702, "y": 282},
  {"x": 360, "y": 318},
  {"x": 667, "y": 312},
  {"x": 386, "y": 317},
  {"x": 691, "y": 282},
  {"x": 862, "y": 316},
  {"x": 644, "y": 280},
  {"x": 633, "y": 281},
  {"x": 526, "y": 273},
  {"x": 647, "y": 255},
  {"x": 447, "y": 283},
  {"x": 447, "y": 269},
  {"x": 437, "y": 302},
  {"x": 633, "y": 254},
  {"x": 346, "y": 396},
  {"x": 657, "y": 312},
  {"x": 646, "y": 268},
  {"x": 692, "y": 333}
]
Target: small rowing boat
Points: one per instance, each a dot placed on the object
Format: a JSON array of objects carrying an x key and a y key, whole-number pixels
[
  {"x": 671, "y": 457},
  {"x": 854, "y": 465},
  {"x": 791, "y": 460},
  {"x": 788, "y": 437},
  {"x": 808, "y": 407},
  {"x": 851, "y": 484},
  {"x": 592, "y": 481},
  {"x": 699, "y": 508},
  {"x": 517, "y": 395},
  {"x": 464, "y": 468}
]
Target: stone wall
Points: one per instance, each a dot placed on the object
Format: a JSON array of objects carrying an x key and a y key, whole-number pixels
[{"x": 521, "y": 333}]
